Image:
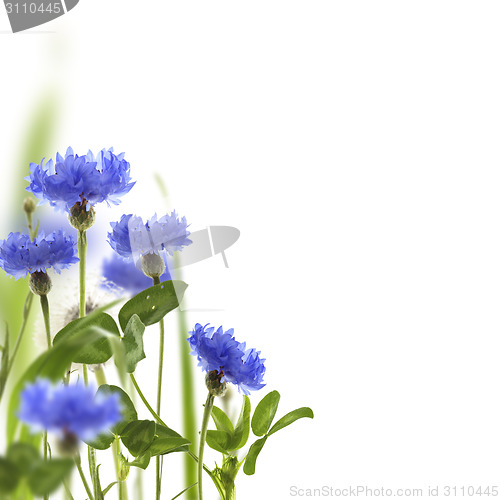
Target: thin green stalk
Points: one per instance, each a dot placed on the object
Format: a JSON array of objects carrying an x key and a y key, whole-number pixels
[
  {"x": 26, "y": 313},
  {"x": 160, "y": 421},
  {"x": 203, "y": 435},
  {"x": 44, "y": 302},
  {"x": 82, "y": 255},
  {"x": 156, "y": 281},
  {"x": 190, "y": 429},
  {"x": 78, "y": 462},
  {"x": 67, "y": 490},
  {"x": 122, "y": 486}
]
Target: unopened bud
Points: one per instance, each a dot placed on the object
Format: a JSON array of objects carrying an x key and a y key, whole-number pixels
[
  {"x": 214, "y": 383},
  {"x": 40, "y": 283},
  {"x": 29, "y": 205},
  {"x": 153, "y": 265},
  {"x": 81, "y": 217}
]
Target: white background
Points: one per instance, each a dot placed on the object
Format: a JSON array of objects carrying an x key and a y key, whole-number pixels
[{"x": 355, "y": 145}]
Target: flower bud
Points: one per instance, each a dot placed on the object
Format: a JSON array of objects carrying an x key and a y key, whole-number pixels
[
  {"x": 68, "y": 444},
  {"x": 124, "y": 468},
  {"x": 40, "y": 283},
  {"x": 81, "y": 218},
  {"x": 214, "y": 383},
  {"x": 29, "y": 205},
  {"x": 153, "y": 265}
]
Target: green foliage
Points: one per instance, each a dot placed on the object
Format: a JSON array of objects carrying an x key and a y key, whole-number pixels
[
  {"x": 95, "y": 352},
  {"x": 253, "y": 453},
  {"x": 47, "y": 476},
  {"x": 23, "y": 460},
  {"x": 264, "y": 413},
  {"x": 154, "y": 303},
  {"x": 145, "y": 439},
  {"x": 4, "y": 364},
  {"x": 132, "y": 343}
]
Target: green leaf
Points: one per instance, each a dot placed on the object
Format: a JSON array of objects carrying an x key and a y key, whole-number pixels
[
  {"x": 219, "y": 441},
  {"x": 253, "y": 453},
  {"x": 152, "y": 304},
  {"x": 264, "y": 413},
  {"x": 242, "y": 429},
  {"x": 166, "y": 440},
  {"x": 138, "y": 436},
  {"x": 142, "y": 461},
  {"x": 47, "y": 476},
  {"x": 222, "y": 421},
  {"x": 94, "y": 352},
  {"x": 290, "y": 418},
  {"x": 53, "y": 365},
  {"x": 108, "y": 487},
  {"x": 132, "y": 342},
  {"x": 23, "y": 455},
  {"x": 9, "y": 476},
  {"x": 129, "y": 414}
]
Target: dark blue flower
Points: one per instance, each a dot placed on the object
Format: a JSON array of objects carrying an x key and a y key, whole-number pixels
[
  {"x": 86, "y": 180},
  {"x": 132, "y": 238},
  {"x": 220, "y": 351},
  {"x": 20, "y": 256},
  {"x": 69, "y": 409},
  {"x": 122, "y": 275}
]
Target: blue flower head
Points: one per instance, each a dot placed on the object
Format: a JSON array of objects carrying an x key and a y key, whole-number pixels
[
  {"x": 122, "y": 275},
  {"x": 20, "y": 256},
  {"x": 68, "y": 409},
  {"x": 131, "y": 237},
  {"x": 219, "y": 351},
  {"x": 85, "y": 180}
]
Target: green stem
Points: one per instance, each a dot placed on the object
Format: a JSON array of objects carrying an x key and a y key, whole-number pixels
[
  {"x": 122, "y": 486},
  {"x": 82, "y": 255},
  {"x": 203, "y": 435},
  {"x": 44, "y": 302},
  {"x": 156, "y": 281},
  {"x": 26, "y": 312},
  {"x": 78, "y": 462},
  {"x": 190, "y": 430},
  {"x": 160, "y": 421}
]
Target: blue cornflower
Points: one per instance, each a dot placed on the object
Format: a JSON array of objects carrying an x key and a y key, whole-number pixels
[
  {"x": 20, "y": 256},
  {"x": 132, "y": 238},
  {"x": 121, "y": 275},
  {"x": 219, "y": 351},
  {"x": 73, "y": 410},
  {"x": 83, "y": 180}
]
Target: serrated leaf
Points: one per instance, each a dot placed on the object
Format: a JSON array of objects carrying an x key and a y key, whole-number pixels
[
  {"x": 9, "y": 476},
  {"x": 242, "y": 429},
  {"x": 264, "y": 413},
  {"x": 154, "y": 303},
  {"x": 23, "y": 455},
  {"x": 47, "y": 476},
  {"x": 132, "y": 343},
  {"x": 222, "y": 421},
  {"x": 138, "y": 436},
  {"x": 253, "y": 453},
  {"x": 95, "y": 352},
  {"x": 219, "y": 441},
  {"x": 290, "y": 418}
]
